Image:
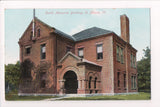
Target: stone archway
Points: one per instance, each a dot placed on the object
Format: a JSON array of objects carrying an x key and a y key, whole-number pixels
[{"x": 70, "y": 83}]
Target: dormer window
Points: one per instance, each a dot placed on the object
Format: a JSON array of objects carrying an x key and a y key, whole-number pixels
[{"x": 38, "y": 32}]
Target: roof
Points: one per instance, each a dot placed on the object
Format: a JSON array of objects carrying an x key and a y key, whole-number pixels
[
  {"x": 67, "y": 54},
  {"x": 90, "y": 33},
  {"x": 78, "y": 58},
  {"x": 64, "y": 34},
  {"x": 56, "y": 30},
  {"x": 90, "y": 62},
  {"x": 85, "y": 34}
]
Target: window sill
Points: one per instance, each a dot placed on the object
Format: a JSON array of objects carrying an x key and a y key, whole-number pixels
[
  {"x": 133, "y": 89},
  {"x": 99, "y": 59},
  {"x": 27, "y": 54},
  {"x": 119, "y": 88},
  {"x": 43, "y": 60}
]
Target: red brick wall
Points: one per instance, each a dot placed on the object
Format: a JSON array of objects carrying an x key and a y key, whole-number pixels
[
  {"x": 106, "y": 62},
  {"x": 34, "y": 56},
  {"x": 56, "y": 49},
  {"x": 124, "y": 68}
]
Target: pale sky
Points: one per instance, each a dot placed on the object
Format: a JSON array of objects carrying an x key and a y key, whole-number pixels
[{"x": 72, "y": 21}]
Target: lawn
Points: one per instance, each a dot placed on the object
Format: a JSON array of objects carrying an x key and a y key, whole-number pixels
[
  {"x": 13, "y": 96},
  {"x": 140, "y": 96}
]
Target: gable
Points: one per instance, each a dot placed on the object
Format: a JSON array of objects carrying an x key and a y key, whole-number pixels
[
  {"x": 44, "y": 30},
  {"x": 70, "y": 57}
]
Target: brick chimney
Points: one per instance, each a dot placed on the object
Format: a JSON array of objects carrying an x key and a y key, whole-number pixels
[{"x": 125, "y": 28}]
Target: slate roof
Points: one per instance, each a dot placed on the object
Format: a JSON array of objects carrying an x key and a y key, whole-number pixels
[
  {"x": 90, "y": 33},
  {"x": 64, "y": 34},
  {"x": 85, "y": 34}
]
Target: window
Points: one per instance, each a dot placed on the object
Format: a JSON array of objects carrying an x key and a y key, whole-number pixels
[
  {"x": 28, "y": 50},
  {"x": 68, "y": 48},
  {"x": 118, "y": 78},
  {"x": 43, "y": 81},
  {"x": 133, "y": 82},
  {"x": 43, "y": 51},
  {"x": 95, "y": 82},
  {"x": 134, "y": 62},
  {"x": 31, "y": 35},
  {"x": 118, "y": 59},
  {"x": 122, "y": 56},
  {"x": 80, "y": 52},
  {"x": 100, "y": 51},
  {"x": 124, "y": 80},
  {"x": 38, "y": 32},
  {"x": 131, "y": 59},
  {"x": 90, "y": 78},
  {"x": 43, "y": 84}
]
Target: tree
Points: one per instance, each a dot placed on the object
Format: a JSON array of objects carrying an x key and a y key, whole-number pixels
[
  {"x": 144, "y": 69},
  {"x": 12, "y": 76}
]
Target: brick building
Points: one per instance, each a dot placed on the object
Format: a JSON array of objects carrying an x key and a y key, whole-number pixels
[{"x": 94, "y": 60}]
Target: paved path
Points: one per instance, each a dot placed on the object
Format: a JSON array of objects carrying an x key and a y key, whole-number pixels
[{"x": 53, "y": 99}]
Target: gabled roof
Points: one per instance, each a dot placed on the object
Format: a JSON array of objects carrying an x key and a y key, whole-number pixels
[
  {"x": 56, "y": 30},
  {"x": 85, "y": 34},
  {"x": 90, "y": 33},
  {"x": 80, "y": 60},
  {"x": 67, "y": 54}
]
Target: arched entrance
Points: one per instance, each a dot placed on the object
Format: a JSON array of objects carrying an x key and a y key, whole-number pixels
[{"x": 71, "y": 83}]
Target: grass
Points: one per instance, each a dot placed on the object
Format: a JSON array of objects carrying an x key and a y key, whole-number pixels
[
  {"x": 140, "y": 96},
  {"x": 13, "y": 96}
]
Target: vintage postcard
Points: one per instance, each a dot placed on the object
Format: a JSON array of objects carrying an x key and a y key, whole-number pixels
[{"x": 77, "y": 54}]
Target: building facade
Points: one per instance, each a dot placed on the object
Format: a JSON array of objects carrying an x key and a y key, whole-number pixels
[{"x": 92, "y": 61}]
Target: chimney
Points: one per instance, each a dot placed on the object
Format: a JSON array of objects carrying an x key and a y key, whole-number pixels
[{"x": 125, "y": 28}]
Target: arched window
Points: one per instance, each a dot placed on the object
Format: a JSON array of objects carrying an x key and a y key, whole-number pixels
[
  {"x": 38, "y": 32},
  {"x": 31, "y": 35},
  {"x": 95, "y": 82},
  {"x": 90, "y": 78}
]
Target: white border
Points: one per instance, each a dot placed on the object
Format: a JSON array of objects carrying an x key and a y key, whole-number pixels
[{"x": 155, "y": 50}]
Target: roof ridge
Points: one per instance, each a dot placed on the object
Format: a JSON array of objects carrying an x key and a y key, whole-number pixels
[{"x": 43, "y": 22}]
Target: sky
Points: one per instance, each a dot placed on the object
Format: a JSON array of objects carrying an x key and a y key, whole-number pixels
[{"x": 72, "y": 21}]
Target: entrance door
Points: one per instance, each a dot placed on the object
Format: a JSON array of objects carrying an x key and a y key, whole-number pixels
[{"x": 71, "y": 83}]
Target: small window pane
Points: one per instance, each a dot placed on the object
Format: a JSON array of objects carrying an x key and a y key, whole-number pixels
[
  {"x": 118, "y": 78},
  {"x": 38, "y": 31},
  {"x": 28, "y": 50},
  {"x": 80, "y": 52},
  {"x": 124, "y": 80},
  {"x": 99, "y": 51},
  {"x": 68, "y": 49},
  {"x": 118, "y": 58},
  {"x": 43, "y": 51}
]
